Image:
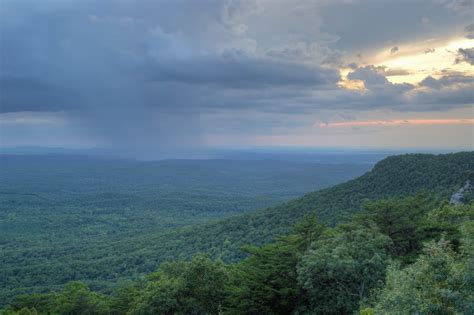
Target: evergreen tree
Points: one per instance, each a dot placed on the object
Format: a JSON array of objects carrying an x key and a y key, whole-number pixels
[{"x": 266, "y": 282}]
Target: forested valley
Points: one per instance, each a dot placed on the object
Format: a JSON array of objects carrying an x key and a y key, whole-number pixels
[
  {"x": 104, "y": 220},
  {"x": 396, "y": 240}
]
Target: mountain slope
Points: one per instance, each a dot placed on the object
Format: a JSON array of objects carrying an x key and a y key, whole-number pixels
[
  {"x": 403, "y": 175},
  {"x": 395, "y": 176},
  {"x": 103, "y": 264}
]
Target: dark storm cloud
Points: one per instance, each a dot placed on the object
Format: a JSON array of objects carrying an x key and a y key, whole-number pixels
[
  {"x": 19, "y": 94},
  {"x": 152, "y": 55},
  {"x": 89, "y": 55},
  {"x": 140, "y": 73},
  {"x": 237, "y": 70}
]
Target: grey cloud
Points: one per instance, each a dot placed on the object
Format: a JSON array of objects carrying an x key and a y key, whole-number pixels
[
  {"x": 370, "y": 75},
  {"x": 393, "y": 72},
  {"x": 25, "y": 94},
  {"x": 469, "y": 31},
  {"x": 307, "y": 52},
  {"x": 394, "y": 50},
  {"x": 446, "y": 81},
  {"x": 353, "y": 65},
  {"x": 141, "y": 73},
  {"x": 363, "y": 24},
  {"x": 461, "y": 6},
  {"x": 237, "y": 70},
  {"x": 465, "y": 55},
  {"x": 445, "y": 92},
  {"x": 431, "y": 83}
]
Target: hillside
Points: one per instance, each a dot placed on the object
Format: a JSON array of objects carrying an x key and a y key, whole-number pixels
[
  {"x": 404, "y": 253},
  {"x": 101, "y": 264},
  {"x": 396, "y": 176}
]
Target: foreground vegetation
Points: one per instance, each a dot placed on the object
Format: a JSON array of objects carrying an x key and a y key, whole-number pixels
[{"x": 396, "y": 257}]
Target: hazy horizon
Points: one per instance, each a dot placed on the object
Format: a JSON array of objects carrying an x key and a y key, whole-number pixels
[{"x": 323, "y": 155}]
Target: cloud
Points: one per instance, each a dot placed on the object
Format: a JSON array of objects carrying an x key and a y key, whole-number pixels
[
  {"x": 371, "y": 75},
  {"x": 394, "y": 72},
  {"x": 469, "y": 31},
  {"x": 29, "y": 118},
  {"x": 238, "y": 70},
  {"x": 394, "y": 50},
  {"x": 461, "y": 6},
  {"x": 142, "y": 74},
  {"x": 447, "y": 91},
  {"x": 24, "y": 93},
  {"x": 307, "y": 52},
  {"x": 465, "y": 55},
  {"x": 397, "y": 122}
]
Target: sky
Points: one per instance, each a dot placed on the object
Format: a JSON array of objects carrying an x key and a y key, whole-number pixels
[{"x": 166, "y": 78}]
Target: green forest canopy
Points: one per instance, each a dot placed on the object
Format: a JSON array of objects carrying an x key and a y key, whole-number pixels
[
  {"x": 310, "y": 249},
  {"x": 370, "y": 265}
]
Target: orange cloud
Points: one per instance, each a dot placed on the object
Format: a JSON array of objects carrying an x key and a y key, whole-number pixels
[{"x": 398, "y": 122}]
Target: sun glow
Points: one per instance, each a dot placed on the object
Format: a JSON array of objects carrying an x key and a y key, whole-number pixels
[
  {"x": 351, "y": 84},
  {"x": 415, "y": 62},
  {"x": 397, "y": 122}
]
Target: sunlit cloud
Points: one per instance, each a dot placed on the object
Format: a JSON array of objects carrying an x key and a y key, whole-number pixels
[
  {"x": 413, "y": 62},
  {"x": 396, "y": 122},
  {"x": 32, "y": 118},
  {"x": 350, "y": 84}
]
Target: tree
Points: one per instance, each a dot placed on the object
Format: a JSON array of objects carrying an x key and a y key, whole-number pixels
[
  {"x": 23, "y": 311},
  {"x": 446, "y": 220},
  {"x": 403, "y": 221},
  {"x": 124, "y": 297},
  {"x": 266, "y": 282},
  {"x": 37, "y": 302},
  {"x": 439, "y": 282},
  {"x": 76, "y": 298},
  {"x": 342, "y": 267},
  {"x": 194, "y": 287},
  {"x": 159, "y": 297}
]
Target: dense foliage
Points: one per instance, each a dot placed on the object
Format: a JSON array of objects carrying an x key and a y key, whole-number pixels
[
  {"x": 65, "y": 218},
  {"x": 313, "y": 270},
  {"x": 316, "y": 268}
]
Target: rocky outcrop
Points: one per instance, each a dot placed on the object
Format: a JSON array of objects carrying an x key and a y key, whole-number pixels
[{"x": 457, "y": 197}]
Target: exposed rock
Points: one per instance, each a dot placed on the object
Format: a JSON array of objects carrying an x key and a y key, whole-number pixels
[{"x": 457, "y": 197}]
